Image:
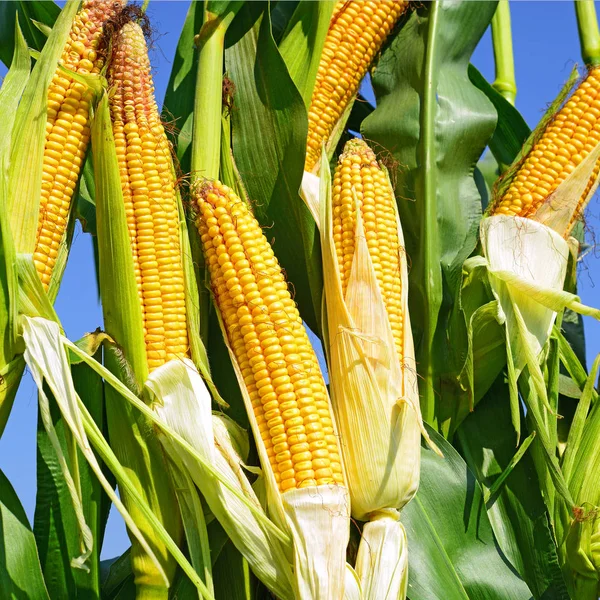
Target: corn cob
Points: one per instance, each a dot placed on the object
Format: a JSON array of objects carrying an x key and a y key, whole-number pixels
[
  {"x": 67, "y": 130},
  {"x": 357, "y": 170},
  {"x": 568, "y": 139},
  {"x": 357, "y": 31},
  {"x": 148, "y": 183},
  {"x": 266, "y": 334}
]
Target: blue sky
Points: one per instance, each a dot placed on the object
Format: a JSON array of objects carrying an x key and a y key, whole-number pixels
[{"x": 546, "y": 46}]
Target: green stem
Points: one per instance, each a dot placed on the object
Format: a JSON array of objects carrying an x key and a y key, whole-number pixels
[
  {"x": 208, "y": 100},
  {"x": 505, "y": 82},
  {"x": 432, "y": 275},
  {"x": 589, "y": 36}
]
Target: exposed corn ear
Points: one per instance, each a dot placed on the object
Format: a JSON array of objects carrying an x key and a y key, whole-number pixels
[
  {"x": 356, "y": 33},
  {"x": 142, "y": 280},
  {"x": 571, "y": 136},
  {"x": 148, "y": 185},
  {"x": 68, "y": 130},
  {"x": 286, "y": 397},
  {"x": 370, "y": 351}
]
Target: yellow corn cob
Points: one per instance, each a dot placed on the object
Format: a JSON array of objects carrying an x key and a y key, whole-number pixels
[
  {"x": 148, "y": 183},
  {"x": 568, "y": 139},
  {"x": 356, "y": 33},
  {"x": 269, "y": 341},
  {"x": 67, "y": 130},
  {"x": 357, "y": 169}
]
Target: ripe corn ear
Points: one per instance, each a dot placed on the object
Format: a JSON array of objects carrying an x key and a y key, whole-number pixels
[
  {"x": 359, "y": 179},
  {"x": 372, "y": 369},
  {"x": 149, "y": 191},
  {"x": 67, "y": 130},
  {"x": 356, "y": 33},
  {"x": 283, "y": 388},
  {"x": 571, "y": 136},
  {"x": 270, "y": 343}
]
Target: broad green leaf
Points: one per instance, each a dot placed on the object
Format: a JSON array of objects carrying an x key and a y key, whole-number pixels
[
  {"x": 116, "y": 574},
  {"x": 517, "y": 512},
  {"x": 434, "y": 148},
  {"x": 511, "y": 130},
  {"x": 43, "y": 11},
  {"x": 55, "y": 527},
  {"x": 20, "y": 571},
  {"x": 303, "y": 41},
  {"x": 361, "y": 109},
  {"x": 233, "y": 578},
  {"x": 452, "y": 552},
  {"x": 269, "y": 124}
]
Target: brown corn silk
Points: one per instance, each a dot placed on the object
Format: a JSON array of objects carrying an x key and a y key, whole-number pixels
[
  {"x": 567, "y": 140},
  {"x": 359, "y": 182},
  {"x": 269, "y": 341},
  {"x": 356, "y": 33},
  {"x": 149, "y": 191},
  {"x": 68, "y": 130}
]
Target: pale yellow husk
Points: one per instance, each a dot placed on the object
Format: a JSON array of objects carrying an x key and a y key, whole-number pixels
[
  {"x": 383, "y": 549},
  {"x": 183, "y": 402},
  {"x": 375, "y": 397}
]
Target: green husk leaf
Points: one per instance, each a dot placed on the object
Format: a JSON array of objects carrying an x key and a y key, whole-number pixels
[
  {"x": 25, "y": 171},
  {"x": 10, "y": 94},
  {"x": 120, "y": 301}
]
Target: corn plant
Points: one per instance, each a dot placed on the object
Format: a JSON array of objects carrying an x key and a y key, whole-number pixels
[{"x": 341, "y": 352}]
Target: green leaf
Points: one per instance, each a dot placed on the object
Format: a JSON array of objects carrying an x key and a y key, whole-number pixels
[
  {"x": 43, "y": 11},
  {"x": 269, "y": 139},
  {"x": 116, "y": 575},
  {"x": 452, "y": 551},
  {"x": 511, "y": 130},
  {"x": 20, "y": 571},
  {"x": 55, "y": 526},
  {"x": 10, "y": 94},
  {"x": 233, "y": 578},
  {"x": 517, "y": 512},
  {"x": 303, "y": 41},
  {"x": 434, "y": 148}
]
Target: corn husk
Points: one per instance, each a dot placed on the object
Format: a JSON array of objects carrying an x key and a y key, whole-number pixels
[
  {"x": 47, "y": 360},
  {"x": 384, "y": 549},
  {"x": 375, "y": 397},
  {"x": 527, "y": 264},
  {"x": 183, "y": 403}
]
